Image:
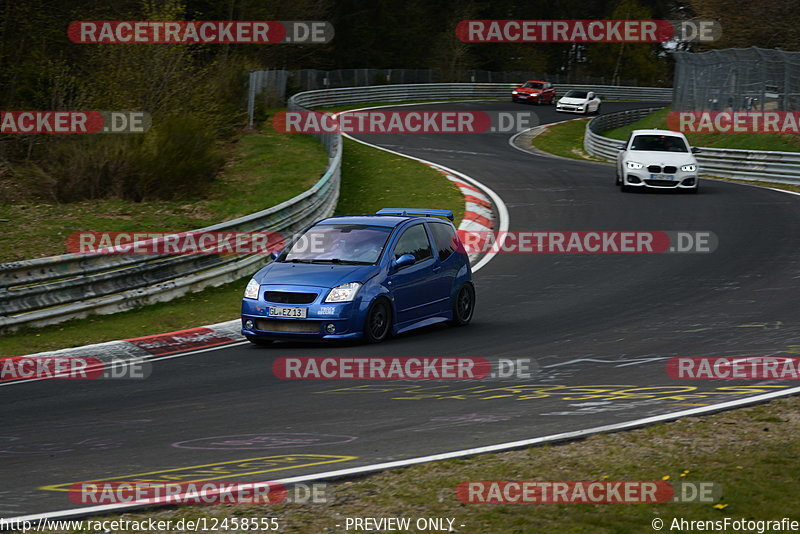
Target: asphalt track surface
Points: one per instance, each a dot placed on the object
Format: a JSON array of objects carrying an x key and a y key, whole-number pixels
[{"x": 599, "y": 326}]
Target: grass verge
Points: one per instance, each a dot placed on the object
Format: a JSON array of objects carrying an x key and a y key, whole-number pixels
[
  {"x": 371, "y": 179},
  {"x": 744, "y": 141},
  {"x": 565, "y": 140},
  {"x": 753, "y": 453},
  {"x": 264, "y": 169},
  {"x": 374, "y": 179}
]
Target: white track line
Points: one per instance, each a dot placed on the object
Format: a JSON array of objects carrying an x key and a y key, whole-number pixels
[
  {"x": 144, "y": 358},
  {"x": 564, "y": 436},
  {"x": 500, "y": 206}
]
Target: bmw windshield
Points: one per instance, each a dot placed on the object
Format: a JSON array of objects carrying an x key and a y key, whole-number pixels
[
  {"x": 338, "y": 243},
  {"x": 659, "y": 143}
]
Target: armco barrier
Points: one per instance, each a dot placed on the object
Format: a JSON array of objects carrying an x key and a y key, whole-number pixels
[
  {"x": 753, "y": 165},
  {"x": 275, "y": 81},
  {"x": 431, "y": 91},
  {"x": 49, "y": 290},
  {"x": 46, "y": 291}
]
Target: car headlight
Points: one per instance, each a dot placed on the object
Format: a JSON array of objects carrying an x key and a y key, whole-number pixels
[
  {"x": 251, "y": 291},
  {"x": 633, "y": 165},
  {"x": 343, "y": 293},
  {"x": 514, "y": 92},
  {"x": 689, "y": 168}
]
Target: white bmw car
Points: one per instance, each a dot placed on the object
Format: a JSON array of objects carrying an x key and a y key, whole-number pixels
[
  {"x": 579, "y": 102},
  {"x": 657, "y": 159}
]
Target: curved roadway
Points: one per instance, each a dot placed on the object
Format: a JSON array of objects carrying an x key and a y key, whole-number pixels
[{"x": 600, "y": 327}]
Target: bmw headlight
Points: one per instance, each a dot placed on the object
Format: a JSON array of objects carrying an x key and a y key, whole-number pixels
[
  {"x": 633, "y": 165},
  {"x": 689, "y": 168},
  {"x": 251, "y": 291},
  {"x": 343, "y": 293}
]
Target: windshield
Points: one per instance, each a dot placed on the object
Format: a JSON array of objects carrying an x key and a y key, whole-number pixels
[
  {"x": 576, "y": 94},
  {"x": 533, "y": 85},
  {"x": 659, "y": 143},
  {"x": 339, "y": 243}
]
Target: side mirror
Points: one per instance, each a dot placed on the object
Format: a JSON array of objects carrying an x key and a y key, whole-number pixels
[
  {"x": 275, "y": 254},
  {"x": 404, "y": 261},
  {"x": 696, "y": 150},
  {"x": 621, "y": 147}
]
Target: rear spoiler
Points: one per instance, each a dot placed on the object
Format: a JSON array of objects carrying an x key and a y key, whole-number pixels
[{"x": 407, "y": 212}]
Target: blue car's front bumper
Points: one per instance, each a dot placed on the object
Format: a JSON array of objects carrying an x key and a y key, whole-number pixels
[{"x": 346, "y": 318}]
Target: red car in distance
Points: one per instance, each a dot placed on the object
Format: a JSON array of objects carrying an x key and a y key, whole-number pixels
[{"x": 535, "y": 92}]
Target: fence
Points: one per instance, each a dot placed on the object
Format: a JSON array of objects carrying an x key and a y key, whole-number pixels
[
  {"x": 737, "y": 79},
  {"x": 753, "y": 165}
]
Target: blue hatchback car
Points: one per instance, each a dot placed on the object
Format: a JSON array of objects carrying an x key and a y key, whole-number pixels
[{"x": 366, "y": 276}]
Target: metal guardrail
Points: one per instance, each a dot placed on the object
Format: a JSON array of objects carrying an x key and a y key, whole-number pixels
[
  {"x": 46, "y": 291},
  {"x": 430, "y": 91},
  {"x": 752, "y": 165},
  {"x": 605, "y": 147},
  {"x": 49, "y": 290}
]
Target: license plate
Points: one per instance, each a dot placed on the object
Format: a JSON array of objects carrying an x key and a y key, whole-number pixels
[
  {"x": 280, "y": 311},
  {"x": 662, "y": 176}
]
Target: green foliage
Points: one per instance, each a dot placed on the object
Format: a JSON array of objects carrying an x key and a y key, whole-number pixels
[
  {"x": 621, "y": 61},
  {"x": 194, "y": 94},
  {"x": 177, "y": 158}
]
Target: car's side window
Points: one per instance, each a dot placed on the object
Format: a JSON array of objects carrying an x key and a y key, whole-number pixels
[
  {"x": 414, "y": 241},
  {"x": 445, "y": 237}
]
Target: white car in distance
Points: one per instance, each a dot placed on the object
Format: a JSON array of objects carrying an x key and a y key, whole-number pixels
[
  {"x": 657, "y": 159},
  {"x": 575, "y": 101}
]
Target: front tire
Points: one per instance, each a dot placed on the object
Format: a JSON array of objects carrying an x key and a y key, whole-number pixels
[
  {"x": 464, "y": 305},
  {"x": 378, "y": 323}
]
